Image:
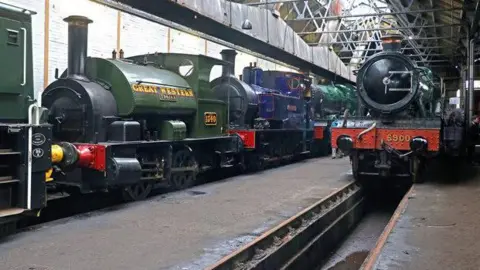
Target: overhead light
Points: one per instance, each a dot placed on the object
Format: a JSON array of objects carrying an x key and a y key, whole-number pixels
[
  {"x": 247, "y": 25},
  {"x": 410, "y": 37}
]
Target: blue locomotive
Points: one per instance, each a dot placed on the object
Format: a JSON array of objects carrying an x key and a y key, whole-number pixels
[{"x": 269, "y": 110}]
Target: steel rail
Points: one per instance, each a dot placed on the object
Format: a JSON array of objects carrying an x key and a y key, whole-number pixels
[{"x": 304, "y": 239}]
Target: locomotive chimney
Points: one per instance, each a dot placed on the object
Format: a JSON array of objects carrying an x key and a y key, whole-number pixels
[
  {"x": 392, "y": 43},
  {"x": 229, "y": 56},
  {"x": 77, "y": 44}
]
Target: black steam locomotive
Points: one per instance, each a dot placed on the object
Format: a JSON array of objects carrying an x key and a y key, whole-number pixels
[{"x": 406, "y": 119}]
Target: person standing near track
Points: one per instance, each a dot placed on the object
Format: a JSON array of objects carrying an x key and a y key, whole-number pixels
[{"x": 340, "y": 121}]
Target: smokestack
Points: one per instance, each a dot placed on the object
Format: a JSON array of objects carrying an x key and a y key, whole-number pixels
[
  {"x": 392, "y": 43},
  {"x": 229, "y": 56},
  {"x": 77, "y": 44}
]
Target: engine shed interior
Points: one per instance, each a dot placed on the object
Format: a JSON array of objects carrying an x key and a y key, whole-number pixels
[{"x": 325, "y": 112}]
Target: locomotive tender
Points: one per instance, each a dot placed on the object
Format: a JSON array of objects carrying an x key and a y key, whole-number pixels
[{"x": 404, "y": 130}]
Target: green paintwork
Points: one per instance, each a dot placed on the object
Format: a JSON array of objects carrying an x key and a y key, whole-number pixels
[
  {"x": 121, "y": 75},
  {"x": 350, "y": 96},
  {"x": 335, "y": 99},
  {"x": 199, "y": 79},
  {"x": 173, "y": 130},
  {"x": 427, "y": 84},
  {"x": 16, "y": 70}
]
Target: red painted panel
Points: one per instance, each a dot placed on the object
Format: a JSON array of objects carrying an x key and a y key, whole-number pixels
[
  {"x": 91, "y": 156},
  {"x": 247, "y": 136},
  {"x": 318, "y": 133},
  {"x": 399, "y": 139}
]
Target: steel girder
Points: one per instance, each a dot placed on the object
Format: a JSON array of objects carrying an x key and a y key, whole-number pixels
[{"x": 430, "y": 28}]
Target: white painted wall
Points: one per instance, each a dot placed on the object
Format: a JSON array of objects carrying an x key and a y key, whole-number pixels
[
  {"x": 185, "y": 43},
  {"x": 102, "y": 33},
  {"x": 134, "y": 31},
  {"x": 137, "y": 36}
]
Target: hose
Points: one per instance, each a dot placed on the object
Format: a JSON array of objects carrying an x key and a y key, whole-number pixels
[{"x": 359, "y": 136}]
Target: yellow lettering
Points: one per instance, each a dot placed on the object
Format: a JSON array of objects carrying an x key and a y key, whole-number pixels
[
  {"x": 395, "y": 138},
  {"x": 167, "y": 92}
]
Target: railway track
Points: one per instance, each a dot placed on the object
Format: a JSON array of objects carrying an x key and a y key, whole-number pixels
[{"x": 305, "y": 239}]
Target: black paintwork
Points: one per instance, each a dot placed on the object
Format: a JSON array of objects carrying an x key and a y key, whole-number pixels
[
  {"x": 15, "y": 136},
  {"x": 80, "y": 110}
]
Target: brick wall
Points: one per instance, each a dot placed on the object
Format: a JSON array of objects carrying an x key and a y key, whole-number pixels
[
  {"x": 102, "y": 33},
  {"x": 139, "y": 36}
]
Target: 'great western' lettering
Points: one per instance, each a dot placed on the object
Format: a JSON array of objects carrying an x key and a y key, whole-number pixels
[{"x": 168, "y": 91}]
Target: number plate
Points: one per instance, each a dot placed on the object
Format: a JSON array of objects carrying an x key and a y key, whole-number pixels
[
  {"x": 210, "y": 118},
  {"x": 398, "y": 138}
]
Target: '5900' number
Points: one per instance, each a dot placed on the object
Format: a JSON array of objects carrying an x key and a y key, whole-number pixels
[{"x": 398, "y": 138}]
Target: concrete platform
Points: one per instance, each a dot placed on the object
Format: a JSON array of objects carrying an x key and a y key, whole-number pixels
[
  {"x": 437, "y": 226},
  {"x": 185, "y": 230}
]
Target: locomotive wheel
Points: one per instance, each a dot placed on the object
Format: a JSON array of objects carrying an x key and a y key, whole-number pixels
[
  {"x": 185, "y": 179},
  {"x": 138, "y": 191}
]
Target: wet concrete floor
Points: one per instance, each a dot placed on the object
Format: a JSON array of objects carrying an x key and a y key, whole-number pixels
[
  {"x": 439, "y": 229},
  {"x": 184, "y": 230}
]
